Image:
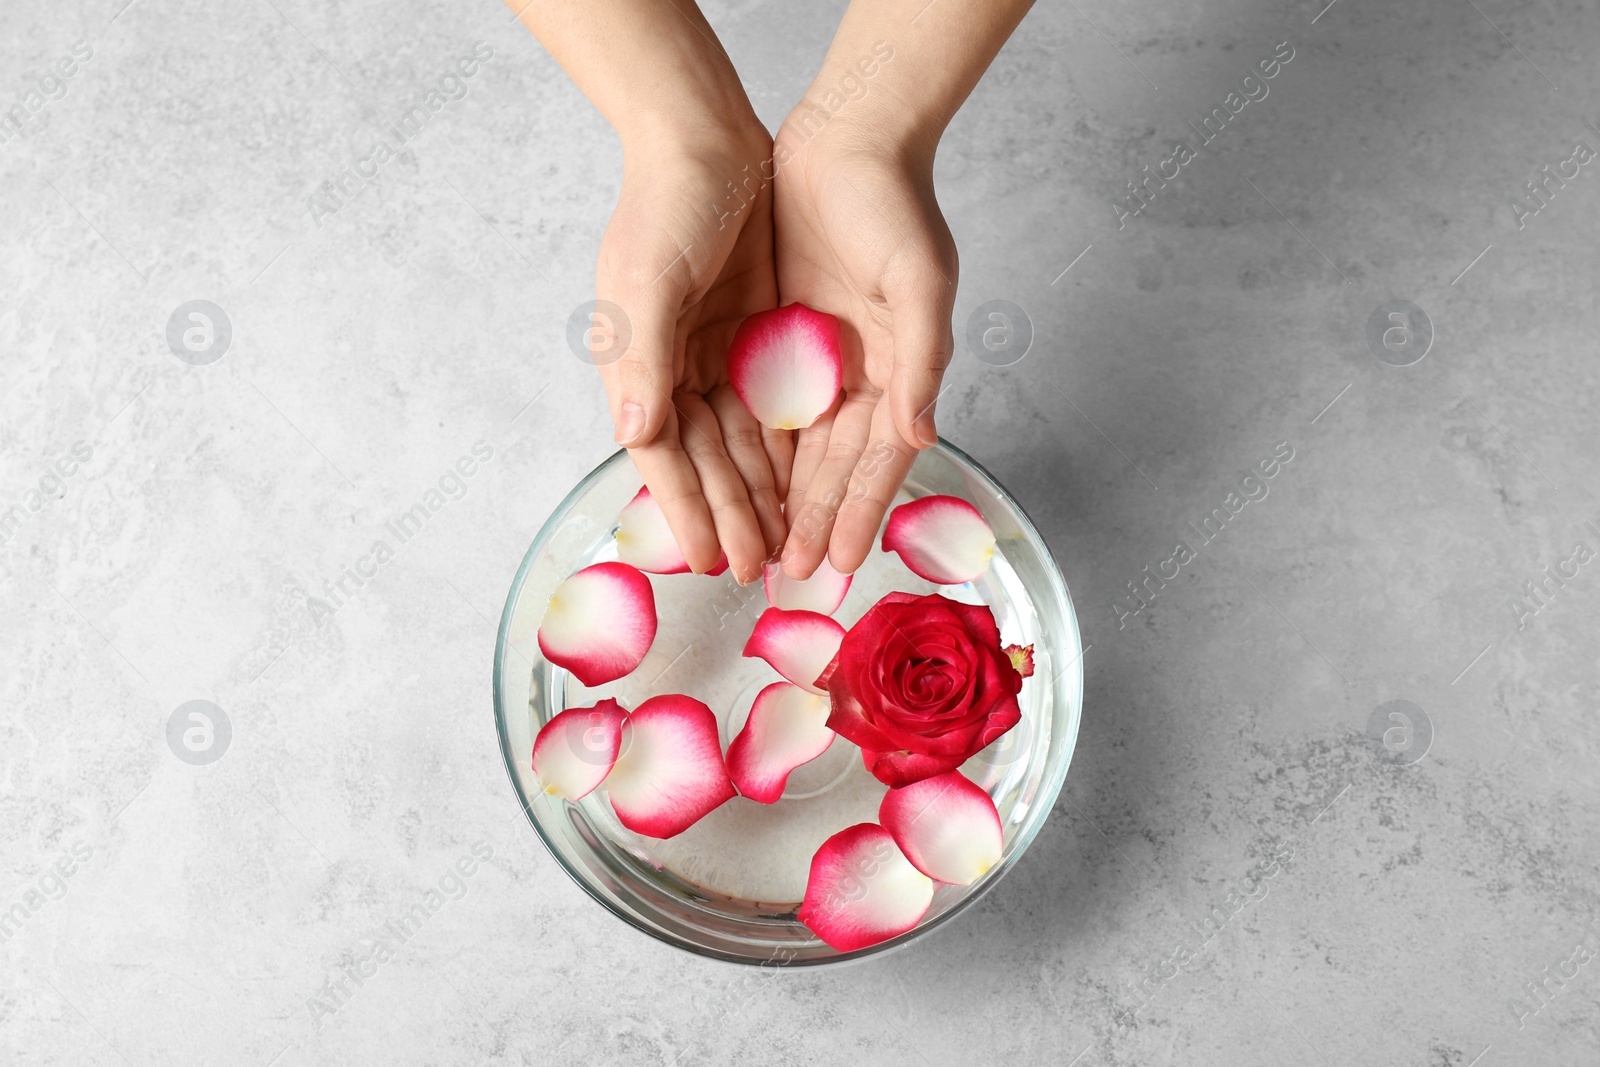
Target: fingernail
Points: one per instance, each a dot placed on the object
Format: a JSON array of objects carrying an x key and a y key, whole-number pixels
[
  {"x": 925, "y": 430},
  {"x": 630, "y": 424}
]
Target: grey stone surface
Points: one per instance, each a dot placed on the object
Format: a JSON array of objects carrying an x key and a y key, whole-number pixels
[{"x": 1226, "y": 723}]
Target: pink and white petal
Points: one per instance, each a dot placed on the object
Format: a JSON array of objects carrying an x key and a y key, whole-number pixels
[
  {"x": 798, "y": 644},
  {"x": 575, "y": 749},
  {"x": 862, "y": 890},
  {"x": 644, "y": 539},
  {"x": 599, "y": 623},
  {"x": 946, "y": 825},
  {"x": 670, "y": 774},
  {"x": 786, "y": 365},
  {"x": 942, "y": 539},
  {"x": 787, "y": 727},
  {"x": 823, "y": 592}
]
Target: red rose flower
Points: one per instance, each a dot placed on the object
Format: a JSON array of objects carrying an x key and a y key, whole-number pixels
[{"x": 921, "y": 684}]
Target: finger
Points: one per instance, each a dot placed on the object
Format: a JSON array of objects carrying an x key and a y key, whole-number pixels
[
  {"x": 873, "y": 485},
  {"x": 810, "y": 527},
  {"x": 675, "y": 485},
  {"x": 639, "y": 384},
  {"x": 921, "y": 304},
  {"x": 810, "y": 448},
  {"x": 731, "y": 512},
  {"x": 779, "y": 445},
  {"x": 742, "y": 436}
]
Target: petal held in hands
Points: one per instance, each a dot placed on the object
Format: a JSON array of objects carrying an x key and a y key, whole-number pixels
[
  {"x": 575, "y": 749},
  {"x": 946, "y": 826},
  {"x": 670, "y": 774},
  {"x": 786, "y": 728},
  {"x": 798, "y": 644},
  {"x": 823, "y": 592},
  {"x": 942, "y": 539},
  {"x": 862, "y": 890},
  {"x": 786, "y": 365},
  {"x": 600, "y": 623}
]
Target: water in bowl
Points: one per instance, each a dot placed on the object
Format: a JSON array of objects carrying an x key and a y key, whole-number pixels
[{"x": 744, "y": 849}]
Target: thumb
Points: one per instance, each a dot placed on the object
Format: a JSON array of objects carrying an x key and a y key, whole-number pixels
[
  {"x": 922, "y": 346},
  {"x": 637, "y": 362}
]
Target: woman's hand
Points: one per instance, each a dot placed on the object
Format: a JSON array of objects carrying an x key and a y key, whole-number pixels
[
  {"x": 689, "y": 253},
  {"x": 860, "y": 236},
  {"x": 686, "y": 256},
  {"x": 686, "y": 259}
]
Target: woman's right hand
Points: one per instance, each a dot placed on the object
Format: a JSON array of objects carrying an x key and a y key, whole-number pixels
[{"x": 687, "y": 256}]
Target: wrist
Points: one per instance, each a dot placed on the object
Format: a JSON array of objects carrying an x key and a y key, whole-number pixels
[
  {"x": 813, "y": 134},
  {"x": 700, "y": 103},
  {"x": 655, "y": 71},
  {"x": 693, "y": 128},
  {"x": 712, "y": 167},
  {"x": 856, "y": 106}
]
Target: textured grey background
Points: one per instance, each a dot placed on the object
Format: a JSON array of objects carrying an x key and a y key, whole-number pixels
[{"x": 1226, "y": 721}]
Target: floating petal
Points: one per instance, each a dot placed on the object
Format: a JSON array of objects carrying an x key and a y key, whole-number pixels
[
  {"x": 946, "y": 825},
  {"x": 787, "y": 726},
  {"x": 862, "y": 890},
  {"x": 644, "y": 539},
  {"x": 600, "y": 623},
  {"x": 670, "y": 773},
  {"x": 798, "y": 644},
  {"x": 575, "y": 749},
  {"x": 823, "y": 592},
  {"x": 942, "y": 539}
]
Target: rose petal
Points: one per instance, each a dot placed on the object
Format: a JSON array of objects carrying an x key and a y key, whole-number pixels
[
  {"x": 644, "y": 539},
  {"x": 787, "y": 727},
  {"x": 847, "y": 718},
  {"x": 1021, "y": 657},
  {"x": 946, "y": 825},
  {"x": 862, "y": 890},
  {"x": 575, "y": 749},
  {"x": 899, "y": 769},
  {"x": 786, "y": 365},
  {"x": 670, "y": 773},
  {"x": 942, "y": 539},
  {"x": 827, "y": 673},
  {"x": 798, "y": 644},
  {"x": 823, "y": 592},
  {"x": 600, "y": 622}
]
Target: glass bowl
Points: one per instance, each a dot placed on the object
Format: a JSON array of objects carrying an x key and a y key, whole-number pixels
[{"x": 681, "y": 891}]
